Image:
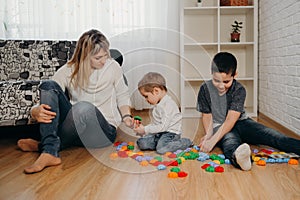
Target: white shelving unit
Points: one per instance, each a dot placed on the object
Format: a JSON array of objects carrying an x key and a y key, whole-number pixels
[{"x": 205, "y": 31}]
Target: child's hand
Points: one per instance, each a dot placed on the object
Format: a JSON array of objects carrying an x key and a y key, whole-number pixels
[
  {"x": 140, "y": 134},
  {"x": 136, "y": 123},
  {"x": 139, "y": 129},
  {"x": 203, "y": 139},
  {"x": 206, "y": 145}
]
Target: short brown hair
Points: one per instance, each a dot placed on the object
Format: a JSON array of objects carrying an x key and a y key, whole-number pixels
[{"x": 152, "y": 80}]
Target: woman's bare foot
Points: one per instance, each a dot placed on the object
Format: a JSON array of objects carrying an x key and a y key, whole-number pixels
[
  {"x": 28, "y": 145},
  {"x": 45, "y": 160}
]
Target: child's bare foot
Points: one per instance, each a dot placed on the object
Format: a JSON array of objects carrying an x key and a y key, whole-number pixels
[
  {"x": 45, "y": 160},
  {"x": 28, "y": 145}
]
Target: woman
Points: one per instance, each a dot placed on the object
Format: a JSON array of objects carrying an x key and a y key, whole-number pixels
[{"x": 98, "y": 98}]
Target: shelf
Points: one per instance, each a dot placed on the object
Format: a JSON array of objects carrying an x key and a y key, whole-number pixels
[
  {"x": 205, "y": 32},
  {"x": 205, "y": 45},
  {"x": 236, "y": 44},
  {"x": 236, "y": 10},
  {"x": 203, "y": 8}
]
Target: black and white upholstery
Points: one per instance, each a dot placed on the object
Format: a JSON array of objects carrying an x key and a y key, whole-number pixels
[{"x": 23, "y": 64}]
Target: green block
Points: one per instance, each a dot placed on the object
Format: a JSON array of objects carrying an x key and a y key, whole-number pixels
[
  {"x": 158, "y": 158},
  {"x": 179, "y": 161},
  {"x": 210, "y": 169},
  {"x": 130, "y": 147},
  {"x": 137, "y": 118},
  {"x": 175, "y": 169}
]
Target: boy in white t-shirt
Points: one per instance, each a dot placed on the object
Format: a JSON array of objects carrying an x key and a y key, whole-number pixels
[{"x": 164, "y": 133}]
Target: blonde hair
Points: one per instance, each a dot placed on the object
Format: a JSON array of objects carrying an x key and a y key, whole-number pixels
[
  {"x": 152, "y": 80},
  {"x": 89, "y": 44}
]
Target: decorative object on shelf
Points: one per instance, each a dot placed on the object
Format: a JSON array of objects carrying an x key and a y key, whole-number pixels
[
  {"x": 234, "y": 2},
  {"x": 236, "y": 29},
  {"x": 199, "y": 3}
]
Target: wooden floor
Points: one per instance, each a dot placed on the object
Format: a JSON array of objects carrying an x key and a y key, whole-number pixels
[{"x": 91, "y": 174}]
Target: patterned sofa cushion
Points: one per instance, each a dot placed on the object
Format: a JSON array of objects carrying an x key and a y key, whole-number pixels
[
  {"x": 17, "y": 97},
  {"x": 23, "y": 64}
]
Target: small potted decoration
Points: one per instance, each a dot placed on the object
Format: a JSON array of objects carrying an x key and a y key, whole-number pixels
[
  {"x": 199, "y": 3},
  {"x": 236, "y": 29}
]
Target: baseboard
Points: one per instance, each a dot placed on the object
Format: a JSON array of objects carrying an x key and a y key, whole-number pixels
[{"x": 264, "y": 118}]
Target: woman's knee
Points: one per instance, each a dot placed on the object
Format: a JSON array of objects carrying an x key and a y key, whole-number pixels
[
  {"x": 48, "y": 85},
  {"x": 83, "y": 107}
]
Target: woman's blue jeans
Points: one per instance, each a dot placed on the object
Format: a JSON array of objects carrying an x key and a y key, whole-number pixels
[
  {"x": 81, "y": 124},
  {"x": 251, "y": 132}
]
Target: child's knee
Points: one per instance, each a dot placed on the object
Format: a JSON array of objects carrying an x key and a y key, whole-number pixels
[
  {"x": 141, "y": 144},
  {"x": 161, "y": 150},
  {"x": 145, "y": 144}
]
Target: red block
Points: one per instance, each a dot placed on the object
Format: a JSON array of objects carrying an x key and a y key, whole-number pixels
[
  {"x": 117, "y": 144},
  {"x": 157, "y": 163},
  {"x": 174, "y": 163},
  {"x": 182, "y": 174},
  {"x": 167, "y": 163},
  {"x": 205, "y": 166},
  {"x": 134, "y": 156},
  {"x": 172, "y": 155},
  {"x": 122, "y": 154},
  {"x": 219, "y": 169}
]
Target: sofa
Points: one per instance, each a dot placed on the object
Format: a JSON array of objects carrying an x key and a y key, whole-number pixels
[{"x": 23, "y": 64}]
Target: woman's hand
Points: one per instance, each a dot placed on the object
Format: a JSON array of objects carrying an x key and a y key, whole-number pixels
[
  {"x": 128, "y": 121},
  {"x": 42, "y": 113}
]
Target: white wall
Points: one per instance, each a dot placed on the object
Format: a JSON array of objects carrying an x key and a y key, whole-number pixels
[{"x": 279, "y": 61}]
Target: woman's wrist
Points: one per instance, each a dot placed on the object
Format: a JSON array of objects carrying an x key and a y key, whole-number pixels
[{"x": 125, "y": 116}]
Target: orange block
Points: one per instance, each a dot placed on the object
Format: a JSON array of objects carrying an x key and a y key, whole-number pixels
[
  {"x": 113, "y": 156},
  {"x": 144, "y": 163},
  {"x": 261, "y": 163},
  {"x": 293, "y": 162},
  {"x": 131, "y": 143},
  {"x": 124, "y": 148},
  {"x": 172, "y": 175}
]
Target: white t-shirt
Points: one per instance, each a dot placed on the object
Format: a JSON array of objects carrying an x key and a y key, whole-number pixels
[
  {"x": 165, "y": 117},
  {"x": 106, "y": 90}
]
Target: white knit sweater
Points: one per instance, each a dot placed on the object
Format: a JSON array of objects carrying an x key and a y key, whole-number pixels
[{"x": 107, "y": 89}]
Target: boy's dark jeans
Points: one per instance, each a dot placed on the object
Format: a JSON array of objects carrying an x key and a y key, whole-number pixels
[
  {"x": 81, "y": 124},
  {"x": 251, "y": 132}
]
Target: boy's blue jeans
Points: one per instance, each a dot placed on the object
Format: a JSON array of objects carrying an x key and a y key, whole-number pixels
[
  {"x": 163, "y": 142},
  {"x": 251, "y": 132},
  {"x": 81, "y": 124}
]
